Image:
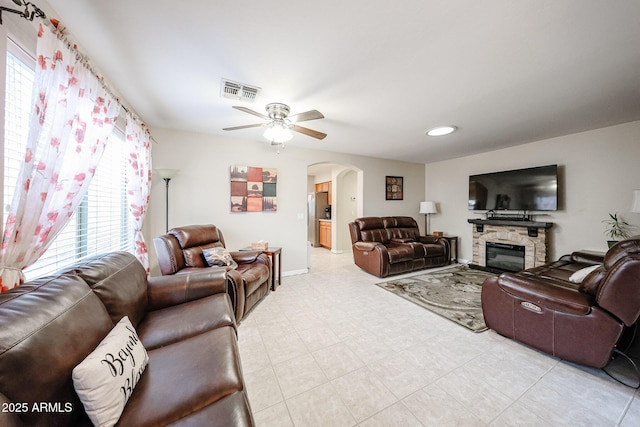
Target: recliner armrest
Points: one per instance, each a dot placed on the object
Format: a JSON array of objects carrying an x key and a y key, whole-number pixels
[
  {"x": 588, "y": 257},
  {"x": 548, "y": 292},
  {"x": 166, "y": 291},
  {"x": 249, "y": 257},
  {"x": 429, "y": 239},
  {"x": 367, "y": 246}
]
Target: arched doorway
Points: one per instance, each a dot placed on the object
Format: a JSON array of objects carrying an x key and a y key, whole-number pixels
[{"x": 347, "y": 204}]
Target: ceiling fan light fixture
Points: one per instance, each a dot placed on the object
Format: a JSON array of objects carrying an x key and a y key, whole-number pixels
[
  {"x": 441, "y": 130},
  {"x": 278, "y": 132}
]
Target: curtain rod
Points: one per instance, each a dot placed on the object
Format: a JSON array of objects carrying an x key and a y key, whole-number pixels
[{"x": 32, "y": 11}]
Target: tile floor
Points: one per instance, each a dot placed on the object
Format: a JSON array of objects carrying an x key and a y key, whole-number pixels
[{"x": 329, "y": 348}]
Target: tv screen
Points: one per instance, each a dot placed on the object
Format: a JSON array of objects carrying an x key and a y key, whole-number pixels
[{"x": 531, "y": 189}]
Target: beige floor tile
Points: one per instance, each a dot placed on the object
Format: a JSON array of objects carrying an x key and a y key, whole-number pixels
[
  {"x": 319, "y": 407},
  {"x": 485, "y": 401},
  {"x": 401, "y": 375},
  {"x": 337, "y": 360},
  {"x": 298, "y": 375},
  {"x": 318, "y": 337},
  {"x": 363, "y": 393},
  {"x": 273, "y": 416},
  {"x": 518, "y": 416},
  {"x": 263, "y": 389},
  {"x": 396, "y": 415},
  {"x": 432, "y": 406}
]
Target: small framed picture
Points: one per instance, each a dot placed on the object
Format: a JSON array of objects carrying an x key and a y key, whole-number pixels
[{"x": 393, "y": 187}]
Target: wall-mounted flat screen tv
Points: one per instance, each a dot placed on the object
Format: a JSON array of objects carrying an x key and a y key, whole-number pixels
[{"x": 531, "y": 189}]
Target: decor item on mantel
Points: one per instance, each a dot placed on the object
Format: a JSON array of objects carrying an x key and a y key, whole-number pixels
[
  {"x": 394, "y": 187},
  {"x": 427, "y": 208},
  {"x": 253, "y": 189},
  {"x": 617, "y": 228}
]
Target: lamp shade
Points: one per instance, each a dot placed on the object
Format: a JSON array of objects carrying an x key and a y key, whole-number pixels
[
  {"x": 166, "y": 173},
  {"x": 428, "y": 207},
  {"x": 635, "y": 207}
]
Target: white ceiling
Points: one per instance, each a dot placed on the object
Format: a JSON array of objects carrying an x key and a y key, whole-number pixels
[{"x": 505, "y": 72}]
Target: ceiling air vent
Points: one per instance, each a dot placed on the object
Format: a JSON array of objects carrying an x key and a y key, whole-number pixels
[{"x": 241, "y": 91}]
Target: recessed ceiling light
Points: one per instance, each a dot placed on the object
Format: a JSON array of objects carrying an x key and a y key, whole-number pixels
[{"x": 441, "y": 130}]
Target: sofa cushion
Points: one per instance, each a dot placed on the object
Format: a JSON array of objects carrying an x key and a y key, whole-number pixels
[
  {"x": 372, "y": 230},
  {"x": 49, "y": 326},
  {"x": 105, "y": 379},
  {"x": 232, "y": 410},
  {"x": 400, "y": 252},
  {"x": 175, "y": 323},
  {"x": 120, "y": 281},
  {"x": 401, "y": 227},
  {"x": 434, "y": 250},
  {"x": 184, "y": 377}
]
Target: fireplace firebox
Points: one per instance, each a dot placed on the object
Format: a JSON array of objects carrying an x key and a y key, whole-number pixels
[{"x": 505, "y": 257}]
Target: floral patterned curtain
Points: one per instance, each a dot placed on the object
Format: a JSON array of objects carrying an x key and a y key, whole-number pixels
[
  {"x": 138, "y": 181},
  {"x": 72, "y": 116}
]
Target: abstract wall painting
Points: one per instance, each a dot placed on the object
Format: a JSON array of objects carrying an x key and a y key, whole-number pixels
[{"x": 253, "y": 189}]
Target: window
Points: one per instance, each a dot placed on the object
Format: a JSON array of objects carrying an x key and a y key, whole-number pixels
[{"x": 101, "y": 223}]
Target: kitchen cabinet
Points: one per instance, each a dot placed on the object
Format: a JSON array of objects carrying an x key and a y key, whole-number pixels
[
  {"x": 325, "y": 234},
  {"x": 324, "y": 187}
]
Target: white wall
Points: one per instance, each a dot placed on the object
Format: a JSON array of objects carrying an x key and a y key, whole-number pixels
[
  {"x": 598, "y": 171},
  {"x": 199, "y": 194}
]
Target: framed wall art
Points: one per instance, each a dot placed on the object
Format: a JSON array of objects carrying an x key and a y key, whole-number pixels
[
  {"x": 253, "y": 189},
  {"x": 393, "y": 186}
]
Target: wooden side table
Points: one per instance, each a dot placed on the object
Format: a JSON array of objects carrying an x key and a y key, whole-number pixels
[{"x": 274, "y": 253}]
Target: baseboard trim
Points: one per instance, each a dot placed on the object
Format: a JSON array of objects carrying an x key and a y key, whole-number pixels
[{"x": 295, "y": 272}]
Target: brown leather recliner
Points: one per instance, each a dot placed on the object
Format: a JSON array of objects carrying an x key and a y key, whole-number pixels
[
  {"x": 578, "y": 322},
  {"x": 393, "y": 245},
  {"x": 180, "y": 251}
]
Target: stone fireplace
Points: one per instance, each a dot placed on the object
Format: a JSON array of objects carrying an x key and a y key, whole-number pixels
[{"x": 533, "y": 236}]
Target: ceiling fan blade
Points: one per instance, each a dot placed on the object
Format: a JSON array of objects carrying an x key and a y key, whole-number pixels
[
  {"x": 244, "y": 126},
  {"x": 310, "y": 132},
  {"x": 250, "y": 111},
  {"x": 307, "y": 115}
]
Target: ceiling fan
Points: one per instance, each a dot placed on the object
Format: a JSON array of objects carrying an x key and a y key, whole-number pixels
[{"x": 280, "y": 124}]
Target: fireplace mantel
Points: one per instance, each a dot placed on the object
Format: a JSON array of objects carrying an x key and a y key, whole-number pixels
[{"x": 511, "y": 223}]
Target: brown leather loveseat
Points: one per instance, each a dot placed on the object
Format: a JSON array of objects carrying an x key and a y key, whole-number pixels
[
  {"x": 180, "y": 251},
  {"x": 186, "y": 324},
  {"x": 393, "y": 245},
  {"x": 566, "y": 310}
]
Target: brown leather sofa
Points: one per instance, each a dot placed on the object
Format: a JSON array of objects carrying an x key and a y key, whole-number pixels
[
  {"x": 185, "y": 322},
  {"x": 393, "y": 245},
  {"x": 578, "y": 322},
  {"x": 180, "y": 251}
]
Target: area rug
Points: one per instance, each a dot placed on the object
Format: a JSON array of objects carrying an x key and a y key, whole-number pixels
[{"x": 453, "y": 293}]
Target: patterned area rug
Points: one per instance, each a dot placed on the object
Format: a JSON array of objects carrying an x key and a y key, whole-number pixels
[{"x": 453, "y": 293}]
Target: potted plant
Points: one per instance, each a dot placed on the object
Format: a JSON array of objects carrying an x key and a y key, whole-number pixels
[{"x": 617, "y": 228}]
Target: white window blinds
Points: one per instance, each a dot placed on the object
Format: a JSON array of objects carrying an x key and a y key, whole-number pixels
[{"x": 101, "y": 224}]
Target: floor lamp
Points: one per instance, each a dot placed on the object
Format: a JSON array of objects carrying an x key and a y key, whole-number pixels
[
  {"x": 427, "y": 208},
  {"x": 166, "y": 174}
]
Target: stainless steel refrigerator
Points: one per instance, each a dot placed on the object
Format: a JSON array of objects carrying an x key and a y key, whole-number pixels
[{"x": 317, "y": 204}]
